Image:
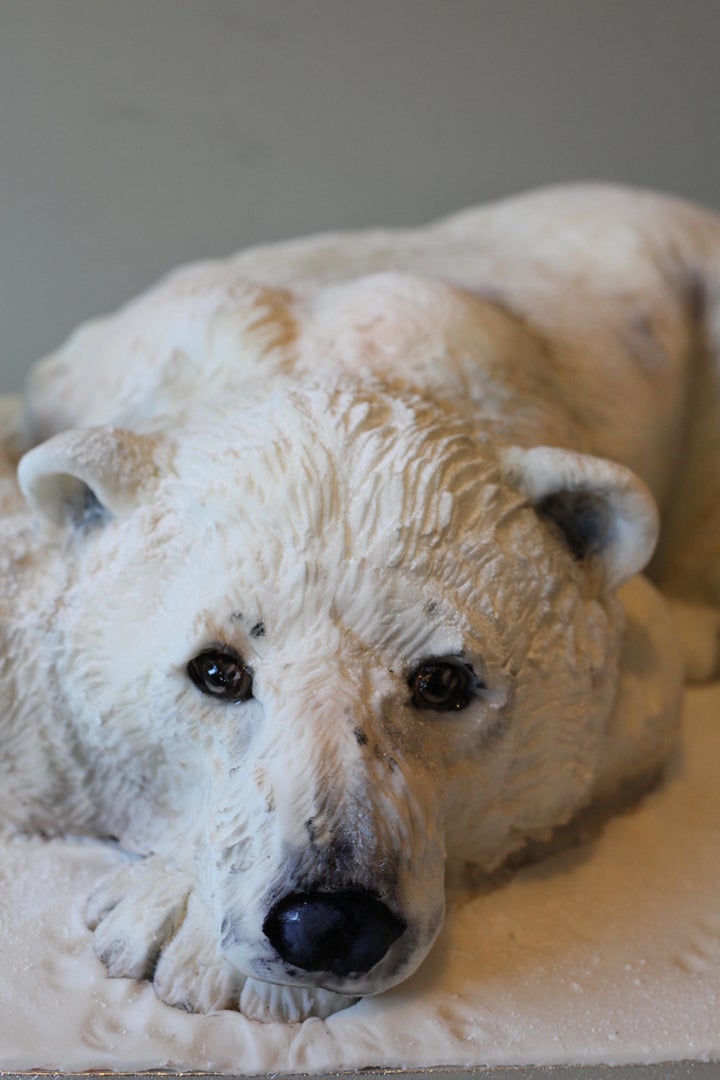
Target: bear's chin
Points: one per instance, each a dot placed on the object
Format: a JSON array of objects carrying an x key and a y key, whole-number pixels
[{"x": 275, "y": 1003}]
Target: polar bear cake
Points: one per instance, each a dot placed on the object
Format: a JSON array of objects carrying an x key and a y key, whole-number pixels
[{"x": 324, "y": 573}]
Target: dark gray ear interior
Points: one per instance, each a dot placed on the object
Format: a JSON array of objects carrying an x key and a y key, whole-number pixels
[
  {"x": 79, "y": 504},
  {"x": 584, "y": 518},
  {"x": 87, "y": 509}
]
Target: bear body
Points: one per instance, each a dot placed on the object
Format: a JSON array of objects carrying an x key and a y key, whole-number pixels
[{"x": 326, "y": 576}]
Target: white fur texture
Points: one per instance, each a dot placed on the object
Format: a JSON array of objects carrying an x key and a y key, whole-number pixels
[{"x": 342, "y": 459}]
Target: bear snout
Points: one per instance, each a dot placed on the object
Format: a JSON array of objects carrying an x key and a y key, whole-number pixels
[{"x": 344, "y": 933}]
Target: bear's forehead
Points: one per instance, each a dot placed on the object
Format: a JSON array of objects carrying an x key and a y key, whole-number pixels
[
  {"x": 314, "y": 502},
  {"x": 372, "y": 460}
]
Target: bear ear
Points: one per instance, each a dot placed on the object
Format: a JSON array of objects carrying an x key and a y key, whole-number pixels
[
  {"x": 87, "y": 474},
  {"x": 604, "y": 511}
]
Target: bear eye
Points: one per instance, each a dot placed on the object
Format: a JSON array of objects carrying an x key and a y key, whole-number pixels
[
  {"x": 445, "y": 685},
  {"x": 222, "y": 675}
]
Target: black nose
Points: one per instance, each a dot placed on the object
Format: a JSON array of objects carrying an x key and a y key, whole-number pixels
[{"x": 341, "y": 932}]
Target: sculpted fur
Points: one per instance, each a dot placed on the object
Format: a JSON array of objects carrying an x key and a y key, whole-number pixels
[{"x": 322, "y": 574}]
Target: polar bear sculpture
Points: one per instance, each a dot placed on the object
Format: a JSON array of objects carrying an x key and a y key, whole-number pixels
[{"x": 326, "y": 574}]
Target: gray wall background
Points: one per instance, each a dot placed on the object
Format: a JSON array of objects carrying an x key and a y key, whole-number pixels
[{"x": 136, "y": 134}]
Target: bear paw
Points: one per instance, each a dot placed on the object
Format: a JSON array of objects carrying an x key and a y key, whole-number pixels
[
  {"x": 134, "y": 911},
  {"x": 192, "y": 973},
  {"x": 150, "y": 924}
]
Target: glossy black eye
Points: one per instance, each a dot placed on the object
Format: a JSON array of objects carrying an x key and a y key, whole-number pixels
[
  {"x": 445, "y": 685},
  {"x": 222, "y": 675}
]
